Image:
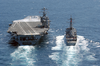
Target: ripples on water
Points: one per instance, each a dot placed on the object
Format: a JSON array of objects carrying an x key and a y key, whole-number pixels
[
  {"x": 61, "y": 54},
  {"x": 23, "y": 56},
  {"x": 55, "y": 52},
  {"x": 72, "y": 55}
]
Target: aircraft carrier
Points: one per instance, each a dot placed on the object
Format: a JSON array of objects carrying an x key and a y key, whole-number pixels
[
  {"x": 71, "y": 35},
  {"x": 29, "y": 30}
]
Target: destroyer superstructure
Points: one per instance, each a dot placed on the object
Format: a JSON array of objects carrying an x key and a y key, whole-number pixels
[
  {"x": 71, "y": 35},
  {"x": 29, "y": 30}
]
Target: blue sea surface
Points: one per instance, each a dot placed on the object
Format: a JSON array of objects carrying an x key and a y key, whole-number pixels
[{"x": 52, "y": 50}]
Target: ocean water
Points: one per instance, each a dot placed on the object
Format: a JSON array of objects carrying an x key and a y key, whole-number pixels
[{"x": 52, "y": 50}]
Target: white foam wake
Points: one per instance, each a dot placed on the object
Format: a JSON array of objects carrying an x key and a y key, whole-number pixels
[
  {"x": 59, "y": 43},
  {"x": 72, "y": 55},
  {"x": 85, "y": 49},
  {"x": 22, "y": 56}
]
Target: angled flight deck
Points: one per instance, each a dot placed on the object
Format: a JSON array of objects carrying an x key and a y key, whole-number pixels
[
  {"x": 30, "y": 29},
  {"x": 30, "y": 25}
]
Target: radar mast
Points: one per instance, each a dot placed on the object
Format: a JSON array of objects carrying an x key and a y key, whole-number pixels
[{"x": 44, "y": 11}]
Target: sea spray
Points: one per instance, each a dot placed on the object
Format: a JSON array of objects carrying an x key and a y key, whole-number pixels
[
  {"x": 71, "y": 55},
  {"x": 22, "y": 56}
]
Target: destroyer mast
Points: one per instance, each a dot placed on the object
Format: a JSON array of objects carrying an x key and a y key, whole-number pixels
[{"x": 71, "y": 35}]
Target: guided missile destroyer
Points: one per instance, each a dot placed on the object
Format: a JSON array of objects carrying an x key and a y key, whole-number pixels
[
  {"x": 71, "y": 35},
  {"x": 29, "y": 30}
]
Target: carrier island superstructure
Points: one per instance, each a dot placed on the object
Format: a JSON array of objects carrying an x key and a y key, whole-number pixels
[
  {"x": 29, "y": 30},
  {"x": 71, "y": 35}
]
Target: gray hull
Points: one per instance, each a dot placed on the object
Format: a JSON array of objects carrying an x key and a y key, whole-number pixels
[
  {"x": 71, "y": 35},
  {"x": 70, "y": 42},
  {"x": 29, "y": 30}
]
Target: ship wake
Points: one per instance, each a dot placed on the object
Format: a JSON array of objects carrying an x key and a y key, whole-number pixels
[
  {"x": 23, "y": 56},
  {"x": 72, "y": 55}
]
